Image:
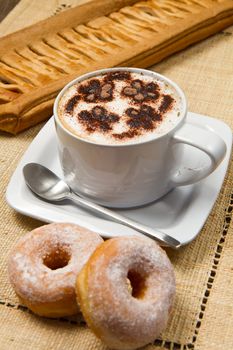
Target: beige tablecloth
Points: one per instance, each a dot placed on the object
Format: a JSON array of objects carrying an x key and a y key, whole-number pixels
[{"x": 203, "y": 313}]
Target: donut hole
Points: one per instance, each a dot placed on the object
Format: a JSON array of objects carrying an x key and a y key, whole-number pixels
[
  {"x": 57, "y": 258},
  {"x": 137, "y": 284}
]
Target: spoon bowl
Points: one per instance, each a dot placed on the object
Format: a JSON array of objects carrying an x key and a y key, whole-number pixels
[{"x": 44, "y": 183}]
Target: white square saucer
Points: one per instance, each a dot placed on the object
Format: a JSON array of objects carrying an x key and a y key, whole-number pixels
[{"x": 181, "y": 213}]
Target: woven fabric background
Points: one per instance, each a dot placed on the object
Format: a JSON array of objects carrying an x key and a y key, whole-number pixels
[{"x": 203, "y": 313}]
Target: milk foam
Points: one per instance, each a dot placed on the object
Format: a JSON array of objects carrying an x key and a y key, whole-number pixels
[{"x": 119, "y": 105}]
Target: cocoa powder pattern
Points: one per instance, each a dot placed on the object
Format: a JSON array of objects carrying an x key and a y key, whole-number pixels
[
  {"x": 71, "y": 103},
  {"x": 95, "y": 91},
  {"x": 139, "y": 118},
  {"x": 117, "y": 75},
  {"x": 139, "y": 91},
  {"x": 144, "y": 118},
  {"x": 98, "y": 118}
]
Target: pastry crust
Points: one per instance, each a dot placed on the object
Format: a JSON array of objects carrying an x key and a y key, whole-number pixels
[{"x": 39, "y": 60}]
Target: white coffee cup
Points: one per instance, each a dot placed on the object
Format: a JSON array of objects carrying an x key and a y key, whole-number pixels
[{"x": 129, "y": 175}]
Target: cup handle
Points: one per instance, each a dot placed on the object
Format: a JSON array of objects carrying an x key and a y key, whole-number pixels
[{"x": 206, "y": 141}]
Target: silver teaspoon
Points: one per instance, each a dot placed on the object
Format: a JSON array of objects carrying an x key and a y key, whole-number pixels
[{"x": 47, "y": 185}]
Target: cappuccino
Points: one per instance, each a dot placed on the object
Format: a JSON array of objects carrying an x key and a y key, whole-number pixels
[{"x": 120, "y": 107}]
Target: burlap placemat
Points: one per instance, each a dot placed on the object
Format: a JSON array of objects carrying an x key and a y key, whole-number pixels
[{"x": 203, "y": 312}]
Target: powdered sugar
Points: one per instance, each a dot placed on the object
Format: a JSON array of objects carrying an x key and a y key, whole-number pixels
[
  {"x": 32, "y": 279},
  {"x": 125, "y": 319}
]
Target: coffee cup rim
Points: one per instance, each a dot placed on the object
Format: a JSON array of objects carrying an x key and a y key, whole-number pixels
[{"x": 129, "y": 69}]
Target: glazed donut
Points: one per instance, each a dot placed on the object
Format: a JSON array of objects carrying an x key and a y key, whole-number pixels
[
  {"x": 44, "y": 264},
  {"x": 123, "y": 317}
]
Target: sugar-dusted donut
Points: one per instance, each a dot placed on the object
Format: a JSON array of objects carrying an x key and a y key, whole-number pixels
[
  {"x": 126, "y": 291},
  {"x": 44, "y": 264}
]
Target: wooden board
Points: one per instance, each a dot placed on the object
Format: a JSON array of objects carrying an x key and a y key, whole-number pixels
[{"x": 36, "y": 62}]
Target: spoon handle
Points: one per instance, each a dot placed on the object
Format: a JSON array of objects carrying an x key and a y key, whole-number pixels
[{"x": 162, "y": 238}]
